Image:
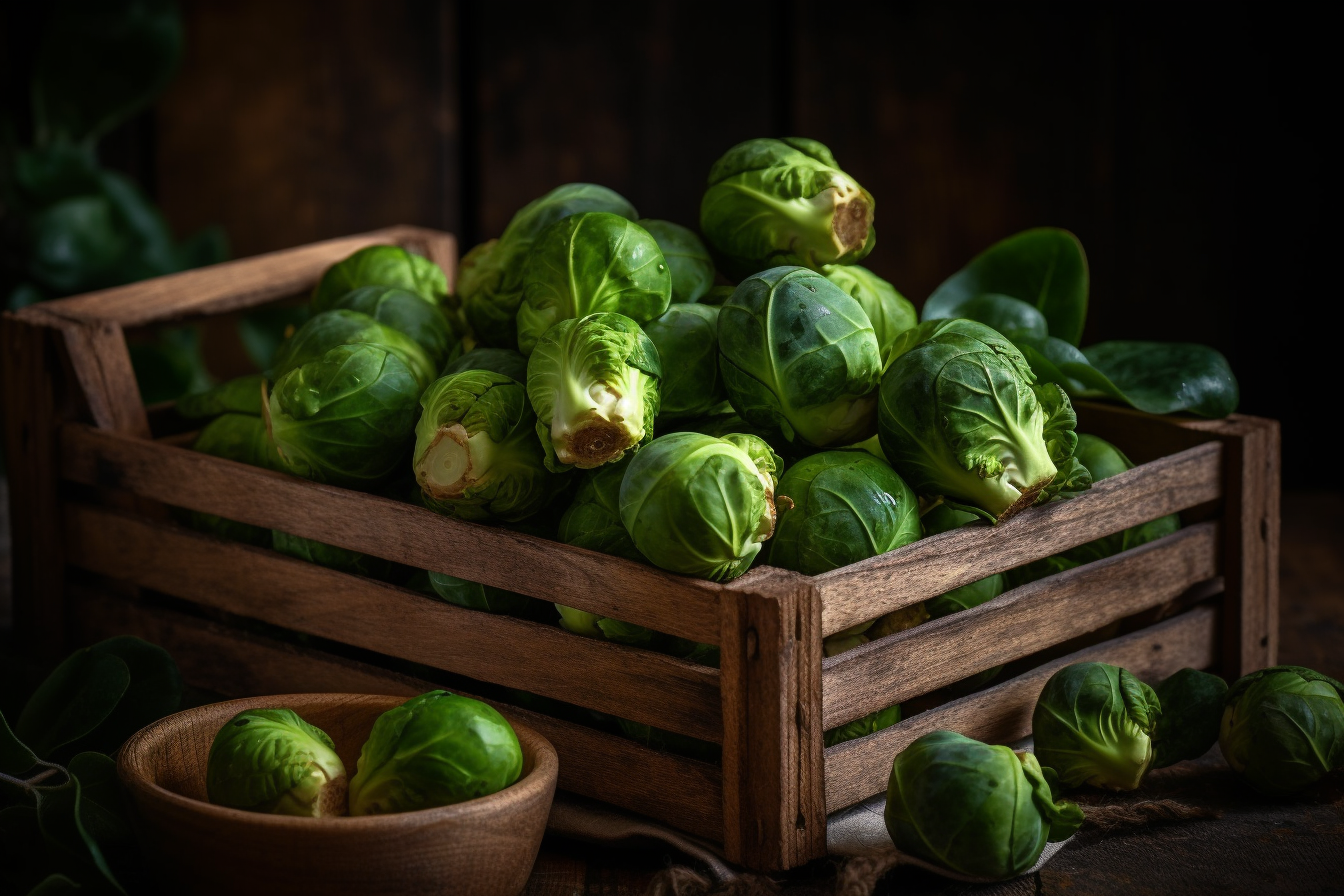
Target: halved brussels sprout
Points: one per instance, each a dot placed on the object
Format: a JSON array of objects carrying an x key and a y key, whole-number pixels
[
  {"x": 501, "y": 360},
  {"x": 589, "y": 263},
  {"x": 1283, "y": 728},
  {"x": 687, "y": 337},
  {"x": 408, "y": 314},
  {"x": 699, "y": 505},
  {"x": 799, "y": 356},
  {"x": 594, "y": 383},
  {"x": 476, "y": 449},
  {"x": 381, "y": 266},
  {"x": 1094, "y": 723},
  {"x": 770, "y": 202},
  {"x": 270, "y": 760},
  {"x": 890, "y": 313},
  {"x": 329, "y": 329},
  {"x": 490, "y": 279},
  {"x": 978, "y": 810},
  {"x": 434, "y": 750},
  {"x": 687, "y": 258}
]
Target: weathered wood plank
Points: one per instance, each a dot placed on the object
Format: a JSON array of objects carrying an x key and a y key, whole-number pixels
[
  {"x": 672, "y": 789},
  {"x": 857, "y": 769},
  {"x": 1016, "y": 624},
  {"x": 400, "y": 532},
  {"x": 935, "y": 565},
  {"x": 234, "y": 285},
  {"x": 305, "y": 597}
]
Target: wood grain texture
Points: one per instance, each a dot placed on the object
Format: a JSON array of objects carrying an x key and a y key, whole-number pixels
[
  {"x": 1018, "y": 623},
  {"x": 672, "y": 789},
  {"x": 857, "y": 769},
  {"x": 935, "y": 565},
  {"x": 303, "y": 596},
  {"x": 622, "y": 589},
  {"x": 483, "y": 846},
  {"x": 234, "y": 285}
]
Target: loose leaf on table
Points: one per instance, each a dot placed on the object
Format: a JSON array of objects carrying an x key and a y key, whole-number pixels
[
  {"x": 73, "y": 701},
  {"x": 1044, "y": 267}
]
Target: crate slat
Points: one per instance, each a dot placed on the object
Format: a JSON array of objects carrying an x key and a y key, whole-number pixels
[
  {"x": 935, "y": 565},
  {"x": 262, "y": 584},
  {"x": 610, "y": 586},
  {"x": 1015, "y": 624},
  {"x": 857, "y": 769},
  {"x": 672, "y": 789}
]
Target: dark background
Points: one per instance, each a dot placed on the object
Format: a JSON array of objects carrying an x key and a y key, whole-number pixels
[{"x": 1185, "y": 147}]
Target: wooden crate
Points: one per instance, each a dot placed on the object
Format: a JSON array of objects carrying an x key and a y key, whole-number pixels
[{"x": 95, "y": 549}]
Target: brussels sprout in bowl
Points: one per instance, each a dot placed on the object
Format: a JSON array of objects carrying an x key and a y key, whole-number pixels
[{"x": 484, "y": 845}]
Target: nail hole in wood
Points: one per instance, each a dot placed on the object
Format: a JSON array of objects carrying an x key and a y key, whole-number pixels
[
  {"x": 801, "y": 823},
  {"x": 1264, "y": 529},
  {"x": 1264, "y": 642},
  {"x": 751, "y": 643},
  {"x": 1157, "y": 646}
]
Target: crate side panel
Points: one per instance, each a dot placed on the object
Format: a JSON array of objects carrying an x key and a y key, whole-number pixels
[
  {"x": 936, "y": 565},
  {"x": 401, "y": 532},
  {"x": 672, "y": 789},
  {"x": 262, "y": 584},
  {"x": 1016, "y": 624},
  {"x": 857, "y": 769}
]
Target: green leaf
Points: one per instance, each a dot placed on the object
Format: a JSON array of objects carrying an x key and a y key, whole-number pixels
[
  {"x": 55, "y": 885},
  {"x": 100, "y": 801},
  {"x": 101, "y": 62},
  {"x": 60, "y": 817},
  {"x": 15, "y": 758},
  {"x": 1044, "y": 267},
  {"x": 74, "y": 700},
  {"x": 155, "y": 691},
  {"x": 1168, "y": 377}
]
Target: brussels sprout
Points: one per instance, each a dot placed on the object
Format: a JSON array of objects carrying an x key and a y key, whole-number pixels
[
  {"x": 475, "y": 596},
  {"x": 1192, "y": 709},
  {"x": 978, "y": 810},
  {"x": 899, "y": 621},
  {"x": 799, "y": 356},
  {"x": 330, "y": 556},
  {"x": 699, "y": 505},
  {"x": 589, "y": 263},
  {"x": 687, "y": 338},
  {"x": 434, "y": 750},
  {"x": 344, "y": 418},
  {"x": 959, "y": 416},
  {"x": 408, "y": 314},
  {"x": 593, "y": 519},
  {"x": 942, "y": 518},
  {"x": 270, "y": 760},
  {"x": 890, "y": 313},
  {"x": 240, "y": 396},
  {"x": 1283, "y": 728},
  {"x": 490, "y": 280},
  {"x": 604, "y": 628},
  {"x": 381, "y": 266},
  {"x": 670, "y": 741},
  {"x": 501, "y": 360},
  {"x": 687, "y": 258},
  {"x": 869, "y": 724},
  {"x": 1094, "y": 723},
  {"x": 770, "y": 202},
  {"x": 594, "y": 383},
  {"x": 717, "y": 295},
  {"x": 476, "y": 449},
  {"x": 329, "y": 329},
  {"x": 847, "y": 506},
  {"x": 243, "y": 438}
]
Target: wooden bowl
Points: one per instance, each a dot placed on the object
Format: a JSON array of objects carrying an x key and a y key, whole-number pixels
[{"x": 484, "y": 846}]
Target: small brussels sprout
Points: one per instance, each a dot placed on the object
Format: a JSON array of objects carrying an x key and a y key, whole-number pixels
[
  {"x": 978, "y": 810},
  {"x": 434, "y": 750},
  {"x": 687, "y": 338},
  {"x": 270, "y": 760},
  {"x": 381, "y": 266},
  {"x": 241, "y": 395},
  {"x": 594, "y": 383},
  {"x": 699, "y": 505},
  {"x": 1192, "y": 709},
  {"x": 476, "y": 449},
  {"x": 890, "y": 313},
  {"x": 1094, "y": 723},
  {"x": 500, "y": 360},
  {"x": 589, "y": 263},
  {"x": 687, "y": 258},
  {"x": 330, "y": 556},
  {"x": 770, "y": 202},
  {"x": 408, "y": 314},
  {"x": 240, "y": 437},
  {"x": 869, "y": 724},
  {"x": 959, "y": 415},
  {"x": 1283, "y": 728},
  {"x": 593, "y": 518},
  {"x": 475, "y": 596},
  {"x": 799, "y": 356},
  {"x": 329, "y": 329},
  {"x": 841, "y": 507},
  {"x": 942, "y": 518},
  {"x": 344, "y": 418},
  {"x": 490, "y": 280}
]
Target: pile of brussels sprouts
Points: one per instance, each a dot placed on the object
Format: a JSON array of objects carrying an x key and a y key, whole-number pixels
[
  {"x": 1281, "y": 729},
  {"x": 433, "y": 750}
]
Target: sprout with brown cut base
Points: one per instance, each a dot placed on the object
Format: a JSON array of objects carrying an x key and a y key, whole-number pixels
[{"x": 270, "y": 760}]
